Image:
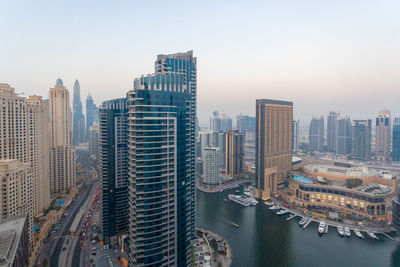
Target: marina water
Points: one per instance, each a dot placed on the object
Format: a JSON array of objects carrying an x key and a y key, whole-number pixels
[{"x": 266, "y": 239}]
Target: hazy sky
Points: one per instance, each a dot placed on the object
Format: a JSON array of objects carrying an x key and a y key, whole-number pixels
[{"x": 322, "y": 55}]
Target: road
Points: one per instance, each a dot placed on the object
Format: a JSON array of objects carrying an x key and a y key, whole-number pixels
[{"x": 58, "y": 241}]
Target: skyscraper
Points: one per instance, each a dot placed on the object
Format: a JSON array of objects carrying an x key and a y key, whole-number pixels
[
  {"x": 246, "y": 124},
  {"x": 316, "y": 134},
  {"x": 332, "y": 131},
  {"x": 162, "y": 113},
  {"x": 344, "y": 136},
  {"x": 62, "y": 153},
  {"x": 295, "y": 135},
  {"x": 396, "y": 140},
  {"x": 94, "y": 139},
  {"x": 211, "y": 166},
  {"x": 92, "y": 113},
  {"x": 24, "y": 148},
  {"x": 383, "y": 135},
  {"x": 234, "y": 155},
  {"x": 113, "y": 167},
  {"x": 220, "y": 122},
  {"x": 361, "y": 143},
  {"x": 78, "y": 129},
  {"x": 273, "y": 145}
]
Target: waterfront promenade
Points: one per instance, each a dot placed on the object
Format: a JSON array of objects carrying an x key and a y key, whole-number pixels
[
  {"x": 352, "y": 225},
  {"x": 221, "y": 187}
]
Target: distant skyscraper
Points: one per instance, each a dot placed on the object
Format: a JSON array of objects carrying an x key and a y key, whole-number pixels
[
  {"x": 344, "y": 136},
  {"x": 220, "y": 122},
  {"x": 246, "y": 124},
  {"x": 332, "y": 131},
  {"x": 78, "y": 129},
  {"x": 211, "y": 166},
  {"x": 273, "y": 145},
  {"x": 316, "y": 134},
  {"x": 361, "y": 143},
  {"x": 234, "y": 155},
  {"x": 62, "y": 153},
  {"x": 396, "y": 140},
  {"x": 94, "y": 139},
  {"x": 295, "y": 135},
  {"x": 214, "y": 139},
  {"x": 162, "y": 114},
  {"x": 383, "y": 135},
  {"x": 92, "y": 113},
  {"x": 113, "y": 166}
]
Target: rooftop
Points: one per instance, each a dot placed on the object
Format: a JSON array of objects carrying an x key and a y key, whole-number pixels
[{"x": 10, "y": 234}]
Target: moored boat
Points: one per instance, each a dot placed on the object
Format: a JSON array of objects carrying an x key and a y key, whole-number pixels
[
  {"x": 322, "y": 227},
  {"x": 347, "y": 231},
  {"x": 269, "y": 203},
  {"x": 303, "y": 221},
  {"x": 274, "y": 208},
  {"x": 281, "y": 212},
  {"x": 340, "y": 230},
  {"x": 358, "y": 233},
  {"x": 371, "y": 234}
]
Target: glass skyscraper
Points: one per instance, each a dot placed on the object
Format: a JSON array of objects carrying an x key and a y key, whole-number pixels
[
  {"x": 396, "y": 140},
  {"x": 113, "y": 166},
  {"x": 162, "y": 113}
]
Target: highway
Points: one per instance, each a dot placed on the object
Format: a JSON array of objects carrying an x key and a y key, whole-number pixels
[{"x": 56, "y": 248}]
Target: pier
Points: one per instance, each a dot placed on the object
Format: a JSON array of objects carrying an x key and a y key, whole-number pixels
[
  {"x": 307, "y": 223},
  {"x": 291, "y": 217}
]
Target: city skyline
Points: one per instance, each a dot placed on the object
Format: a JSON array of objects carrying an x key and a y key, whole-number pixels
[{"x": 344, "y": 52}]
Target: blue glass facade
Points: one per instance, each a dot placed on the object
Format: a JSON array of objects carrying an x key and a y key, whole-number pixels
[
  {"x": 396, "y": 140},
  {"x": 162, "y": 112},
  {"x": 113, "y": 166}
]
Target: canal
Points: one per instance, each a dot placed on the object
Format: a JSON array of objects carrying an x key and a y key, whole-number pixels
[{"x": 265, "y": 239}]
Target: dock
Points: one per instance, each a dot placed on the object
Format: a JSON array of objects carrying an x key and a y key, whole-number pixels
[
  {"x": 307, "y": 223},
  {"x": 291, "y": 217},
  {"x": 388, "y": 236}
]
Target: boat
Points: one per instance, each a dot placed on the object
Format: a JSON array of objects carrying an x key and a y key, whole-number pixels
[
  {"x": 239, "y": 200},
  {"x": 358, "y": 233},
  {"x": 235, "y": 224},
  {"x": 322, "y": 227},
  {"x": 303, "y": 221},
  {"x": 371, "y": 234},
  {"x": 281, "y": 212},
  {"x": 347, "y": 231},
  {"x": 274, "y": 208},
  {"x": 237, "y": 191},
  {"x": 340, "y": 230},
  {"x": 269, "y": 203}
]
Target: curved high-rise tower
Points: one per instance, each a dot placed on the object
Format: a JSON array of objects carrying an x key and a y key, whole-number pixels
[{"x": 162, "y": 113}]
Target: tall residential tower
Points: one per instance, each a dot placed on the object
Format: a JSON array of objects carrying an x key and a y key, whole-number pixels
[
  {"x": 273, "y": 145},
  {"x": 316, "y": 134},
  {"x": 383, "y": 135},
  {"x": 62, "y": 153},
  {"x": 113, "y": 167},
  {"x": 162, "y": 114}
]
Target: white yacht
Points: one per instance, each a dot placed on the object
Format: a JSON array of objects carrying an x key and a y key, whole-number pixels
[
  {"x": 347, "y": 231},
  {"x": 371, "y": 234},
  {"x": 322, "y": 227},
  {"x": 340, "y": 230},
  {"x": 269, "y": 203},
  {"x": 303, "y": 221},
  {"x": 238, "y": 199},
  {"x": 274, "y": 208},
  {"x": 358, "y": 233},
  {"x": 282, "y": 212}
]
